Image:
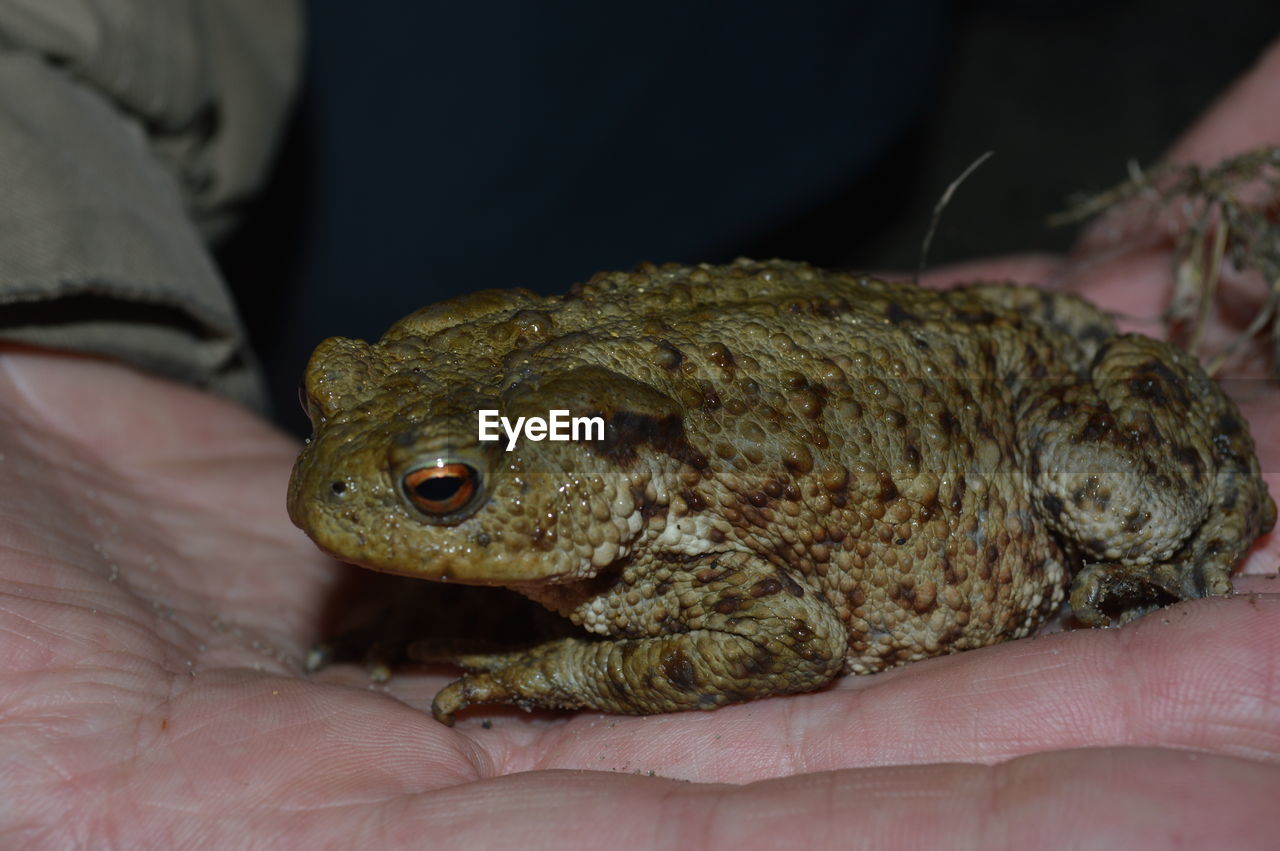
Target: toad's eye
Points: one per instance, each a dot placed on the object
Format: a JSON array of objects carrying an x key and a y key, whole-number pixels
[{"x": 441, "y": 488}]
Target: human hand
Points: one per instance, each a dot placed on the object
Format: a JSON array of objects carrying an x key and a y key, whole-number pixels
[{"x": 157, "y": 603}]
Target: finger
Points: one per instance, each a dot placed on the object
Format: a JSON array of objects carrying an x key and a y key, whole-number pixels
[
  {"x": 1014, "y": 268},
  {"x": 1121, "y": 798},
  {"x": 1198, "y": 675},
  {"x": 1246, "y": 116}
]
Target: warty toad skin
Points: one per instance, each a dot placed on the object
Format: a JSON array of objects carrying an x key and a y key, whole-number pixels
[{"x": 803, "y": 474}]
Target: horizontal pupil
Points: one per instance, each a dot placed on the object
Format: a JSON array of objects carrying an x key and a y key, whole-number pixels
[{"x": 439, "y": 488}]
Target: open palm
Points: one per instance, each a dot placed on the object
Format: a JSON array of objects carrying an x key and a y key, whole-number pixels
[{"x": 157, "y": 604}]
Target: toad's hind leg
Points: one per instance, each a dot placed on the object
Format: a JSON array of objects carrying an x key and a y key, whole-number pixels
[
  {"x": 739, "y": 629},
  {"x": 1146, "y": 469}
]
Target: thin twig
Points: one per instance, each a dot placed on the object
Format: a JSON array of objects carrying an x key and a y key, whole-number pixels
[{"x": 938, "y": 208}]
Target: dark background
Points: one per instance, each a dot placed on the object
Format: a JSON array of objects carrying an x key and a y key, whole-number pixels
[{"x": 438, "y": 150}]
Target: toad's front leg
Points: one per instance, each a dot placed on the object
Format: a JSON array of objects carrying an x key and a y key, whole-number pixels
[{"x": 735, "y": 628}]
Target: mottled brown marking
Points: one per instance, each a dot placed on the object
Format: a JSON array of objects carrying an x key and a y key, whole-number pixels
[
  {"x": 809, "y": 403},
  {"x": 1148, "y": 388},
  {"x": 1061, "y": 411},
  {"x": 793, "y": 587},
  {"x": 795, "y": 381},
  {"x": 542, "y": 539},
  {"x": 694, "y": 500},
  {"x": 928, "y": 506},
  {"x": 1098, "y": 427},
  {"x": 957, "y": 494},
  {"x": 975, "y": 317},
  {"x": 1190, "y": 458},
  {"x": 728, "y": 604},
  {"x": 707, "y": 575},
  {"x": 888, "y": 490},
  {"x": 798, "y": 460},
  {"x": 897, "y": 315},
  {"x": 1094, "y": 333},
  {"x": 1229, "y": 425},
  {"x": 719, "y": 354},
  {"x": 679, "y": 671},
  {"x": 668, "y": 356},
  {"x": 710, "y": 398},
  {"x": 765, "y": 588}
]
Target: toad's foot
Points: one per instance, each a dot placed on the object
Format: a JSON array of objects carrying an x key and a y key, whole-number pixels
[
  {"x": 1148, "y": 471},
  {"x": 1105, "y": 592},
  {"x": 749, "y": 632}
]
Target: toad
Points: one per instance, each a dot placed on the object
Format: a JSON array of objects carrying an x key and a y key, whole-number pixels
[{"x": 800, "y": 474}]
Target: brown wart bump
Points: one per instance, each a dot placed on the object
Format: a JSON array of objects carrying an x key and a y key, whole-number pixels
[
  {"x": 800, "y": 630},
  {"x": 694, "y": 500},
  {"x": 795, "y": 380},
  {"x": 888, "y": 491},
  {"x": 707, "y": 575},
  {"x": 912, "y": 455},
  {"x": 710, "y": 398},
  {"x": 834, "y": 478},
  {"x": 678, "y": 670},
  {"x": 668, "y": 356},
  {"x": 728, "y": 604},
  {"x": 719, "y": 354},
  {"x": 957, "y": 494},
  {"x": 808, "y": 403},
  {"x": 797, "y": 460},
  {"x": 766, "y": 587},
  {"x": 929, "y": 506}
]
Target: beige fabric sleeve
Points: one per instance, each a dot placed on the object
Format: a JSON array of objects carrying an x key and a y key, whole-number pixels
[{"x": 130, "y": 133}]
